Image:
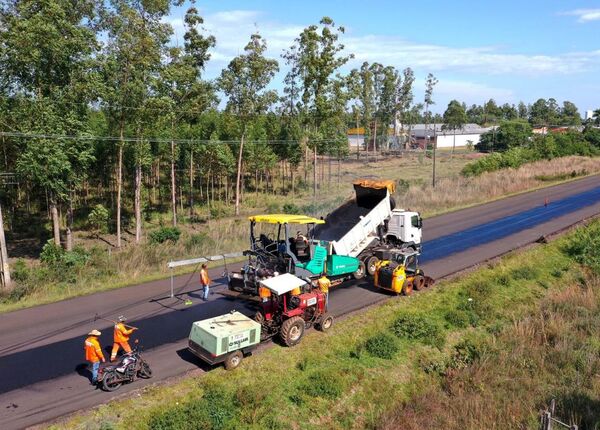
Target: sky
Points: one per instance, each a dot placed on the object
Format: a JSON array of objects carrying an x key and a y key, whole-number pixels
[{"x": 509, "y": 51}]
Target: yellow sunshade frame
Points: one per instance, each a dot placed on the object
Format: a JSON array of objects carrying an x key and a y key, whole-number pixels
[
  {"x": 286, "y": 219},
  {"x": 377, "y": 184}
]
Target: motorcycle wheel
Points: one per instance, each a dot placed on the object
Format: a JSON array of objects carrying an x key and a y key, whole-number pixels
[
  {"x": 111, "y": 382},
  {"x": 145, "y": 372}
]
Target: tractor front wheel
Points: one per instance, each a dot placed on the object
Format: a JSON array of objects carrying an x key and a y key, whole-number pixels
[
  {"x": 418, "y": 282},
  {"x": 325, "y": 323},
  {"x": 292, "y": 331},
  {"x": 407, "y": 289}
]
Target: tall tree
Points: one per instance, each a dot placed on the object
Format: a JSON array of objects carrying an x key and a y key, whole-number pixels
[
  {"x": 244, "y": 82},
  {"x": 455, "y": 118},
  {"x": 569, "y": 114},
  {"x": 47, "y": 63},
  {"x": 137, "y": 37},
  {"x": 430, "y": 83},
  {"x": 316, "y": 57},
  {"x": 184, "y": 94},
  {"x": 405, "y": 100}
]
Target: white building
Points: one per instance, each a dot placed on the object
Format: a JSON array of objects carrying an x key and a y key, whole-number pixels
[
  {"x": 470, "y": 134},
  {"x": 589, "y": 114}
]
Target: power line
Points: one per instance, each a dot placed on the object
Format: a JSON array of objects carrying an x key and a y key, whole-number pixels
[{"x": 160, "y": 140}]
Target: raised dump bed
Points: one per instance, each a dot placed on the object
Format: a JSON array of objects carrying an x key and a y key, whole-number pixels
[{"x": 224, "y": 339}]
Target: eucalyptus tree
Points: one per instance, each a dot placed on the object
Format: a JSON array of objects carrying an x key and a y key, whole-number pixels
[
  {"x": 245, "y": 82},
  {"x": 455, "y": 118},
  {"x": 47, "y": 67},
  {"x": 405, "y": 99},
  {"x": 362, "y": 85},
  {"x": 430, "y": 83},
  {"x": 315, "y": 57},
  {"x": 183, "y": 93}
]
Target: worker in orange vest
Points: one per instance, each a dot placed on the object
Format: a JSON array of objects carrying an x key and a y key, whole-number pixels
[
  {"x": 324, "y": 285},
  {"x": 121, "y": 338},
  {"x": 93, "y": 353},
  {"x": 204, "y": 281}
]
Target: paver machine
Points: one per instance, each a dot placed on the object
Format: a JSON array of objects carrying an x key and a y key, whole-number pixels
[
  {"x": 289, "y": 307},
  {"x": 398, "y": 271}
]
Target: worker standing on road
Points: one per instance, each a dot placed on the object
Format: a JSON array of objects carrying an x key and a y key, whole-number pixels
[
  {"x": 204, "y": 281},
  {"x": 121, "y": 338},
  {"x": 93, "y": 353},
  {"x": 324, "y": 285}
]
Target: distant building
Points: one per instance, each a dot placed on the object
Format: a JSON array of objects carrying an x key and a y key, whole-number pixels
[
  {"x": 589, "y": 114},
  {"x": 469, "y": 134}
]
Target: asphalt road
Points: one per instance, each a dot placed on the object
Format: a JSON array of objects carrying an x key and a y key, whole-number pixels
[{"x": 42, "y": 373}]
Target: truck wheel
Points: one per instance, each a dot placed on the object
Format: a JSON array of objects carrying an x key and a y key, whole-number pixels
[
  {"x": 233, "y": 360},
  {"x": 259, "y": 317},
  {"x": 360, "y": 272},
  {"x": 292, "y": 331},
  {"x": 325, "y": 323},
  {"x": 371, "y": 264},
  {"x": 418, "y": 282},
  {"x": 407, "y": 288}
]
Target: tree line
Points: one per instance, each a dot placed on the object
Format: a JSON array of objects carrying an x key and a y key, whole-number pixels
[{"x": 98, "y": 105}]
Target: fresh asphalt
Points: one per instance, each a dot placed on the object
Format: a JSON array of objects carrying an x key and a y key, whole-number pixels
[{"x": 42, "y": 373}]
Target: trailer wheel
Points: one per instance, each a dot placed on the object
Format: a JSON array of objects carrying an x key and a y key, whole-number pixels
[
  {"x": 360, "y": 272},
  {"x": 233, "y": 360},
  {"x": 325, "y": 323},
  {"x": 418, "y": 282},
  {"x": 371, "y": 264},
  {"x": 292, "y": 331}
]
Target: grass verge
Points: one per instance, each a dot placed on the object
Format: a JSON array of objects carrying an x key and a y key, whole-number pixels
[{"x": 371, "y": 368}]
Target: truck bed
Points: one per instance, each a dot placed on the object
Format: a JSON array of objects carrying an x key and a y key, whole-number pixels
[{"x": 340, "y": 221}]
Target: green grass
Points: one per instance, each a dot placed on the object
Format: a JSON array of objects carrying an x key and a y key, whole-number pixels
[{"x": 351, "y": 378}]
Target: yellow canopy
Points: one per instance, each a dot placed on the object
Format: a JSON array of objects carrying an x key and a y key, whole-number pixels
[
  {"x": 286, "y": 219},
  {"x": 377, "y": 184}
]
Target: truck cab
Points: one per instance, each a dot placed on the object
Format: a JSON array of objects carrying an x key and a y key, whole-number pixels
[{"x": 404, "y": 227}]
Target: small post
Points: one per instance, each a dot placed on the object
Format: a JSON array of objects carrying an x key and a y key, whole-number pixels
[{"x": 172, "y": 294}]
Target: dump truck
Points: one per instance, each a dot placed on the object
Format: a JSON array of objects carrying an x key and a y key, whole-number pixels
[
  {"x": 398, "y": 271},
  {"x": 369, "y": 225},
  {"x": 224, "y": 339}
]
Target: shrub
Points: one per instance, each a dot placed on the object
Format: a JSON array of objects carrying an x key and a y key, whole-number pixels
[
  {"x": 325, "y": 383},
  {"x": 382, "y": 345},
  {"x": 469, "y": 350},
  {"x": 165, "y": 234},
  {"x": 291, "y": 208},
  {"x": 458, "y": 318},
  {"x": 198, "y": 240},
  {"x": 272, "y": 207},
  {"x": 20, "y": 271},
  {"x": 524, "y": 272},
  {"x": 418, "y": 327},
  {"x": 98, "y": 219},
  {"x": 51, "y": 253},
  {"x": 584, "y": 246}
]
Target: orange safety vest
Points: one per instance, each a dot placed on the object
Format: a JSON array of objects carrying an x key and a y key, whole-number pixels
[
  {"x": 121, "y": 333},
  {"x": 93, "y": 352},
  {"x": 324, "y": 284},
  {"x": 204, "y": 279}
]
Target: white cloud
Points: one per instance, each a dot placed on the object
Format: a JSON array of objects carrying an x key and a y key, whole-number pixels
[{"x": 584, "y": 15}]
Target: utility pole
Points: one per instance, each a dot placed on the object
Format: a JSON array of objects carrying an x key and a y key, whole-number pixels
[{"x": 5, "y": 281}]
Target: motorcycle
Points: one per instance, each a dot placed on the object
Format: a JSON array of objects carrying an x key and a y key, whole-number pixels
[{"x": 130, "y": 367}]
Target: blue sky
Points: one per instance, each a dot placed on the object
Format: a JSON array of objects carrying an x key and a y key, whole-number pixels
[{"x": 509, "y": 50}]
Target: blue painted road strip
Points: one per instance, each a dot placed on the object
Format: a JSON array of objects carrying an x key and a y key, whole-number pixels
[{"x": 484, "y": 233}]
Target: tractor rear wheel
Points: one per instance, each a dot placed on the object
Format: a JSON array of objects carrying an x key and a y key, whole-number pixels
[
  {"x": 325, "y": 322},
  {"x": 371, "y": 264},
  {"x": 418, "y": 282},
  {"x": 360, "y": 272},
  {"x": 233, "y": 360},
  {"x": 292, "y": 331}
]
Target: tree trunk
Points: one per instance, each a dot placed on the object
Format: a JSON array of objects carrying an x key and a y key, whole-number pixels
[
  {"x": 305, "y": 162},
  {"x": 55, "y": 220},
  {"x": 191, "y": 183},
  {"x": 5, "y": 280},
  {"x": 375, "y": 141},
  {"x": 138, "y": 202},
  {"x": 329, "y": 170},
  {"x": 239, "y": 176},
  {"x": 173, "y": 190},
  {"x": 70, "y": 224},
  {"x": 315, "y": 175},
  {"x": 119, "y": 182}
]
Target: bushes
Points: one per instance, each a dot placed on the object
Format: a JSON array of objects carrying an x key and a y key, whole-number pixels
[
  {"x": 382, "y": 345},
  {"x": 419, "y": 327},
  {"x": 98, "y": 219},
  {"x": 584, "y": 246},
  {"x": 325, "y": 383},
  {"x": 165, "y": 234},
  {"x": 56, "y": 258}
]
